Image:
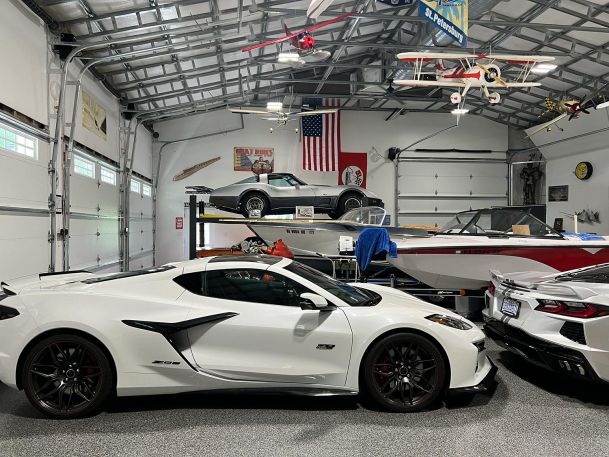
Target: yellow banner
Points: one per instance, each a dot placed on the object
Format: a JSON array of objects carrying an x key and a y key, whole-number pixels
[{"x": 93, "y": 116}]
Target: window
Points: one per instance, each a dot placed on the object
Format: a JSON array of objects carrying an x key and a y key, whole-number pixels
[
  {"x": 15, "y": 141},
  {"x": 146, "y": 190},
  {"x": 250, "y": 180},
  {"x": 279, "y": 182},
  {"x": 249, "y": 285},
  {"x": 135, "y": 186},
  {"x": 84, "y": 167},
  {"x": 285, "y": 181},
  {"x": 108, "y": 175}
]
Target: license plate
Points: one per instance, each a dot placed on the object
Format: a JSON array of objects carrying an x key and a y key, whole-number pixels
[{"x": 510, "y": 307}]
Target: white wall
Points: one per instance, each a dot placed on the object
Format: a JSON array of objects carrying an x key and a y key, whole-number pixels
[
  {"x": 23, "y": 78},
  {"x": 360, "y": 132},
  {"x": 562, "y": 158}
]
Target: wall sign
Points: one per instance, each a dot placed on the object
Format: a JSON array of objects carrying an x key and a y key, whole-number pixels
[
  {"x": 258, "y": 160},
  {"x": 352, "y": 168},
  {"x": 584, "y": 170},
  {"x": 449, "y": 16},
  {"x": 179, "y": 223},
  {"x": 558, "y": 193},
  {"x": 93, "y": 116}
]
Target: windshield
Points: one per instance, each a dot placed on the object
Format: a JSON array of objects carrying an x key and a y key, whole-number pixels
[
  {"x": 498, "y": 222},
  {"x": 369, "y": 215},
  {"x": 351, "y": 295},
  {"x": 597, "y": 273}
]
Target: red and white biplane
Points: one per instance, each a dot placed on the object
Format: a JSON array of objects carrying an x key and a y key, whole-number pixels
[
  {"x": 302, "y": 41},
  {"x": 470, "y": 73}
]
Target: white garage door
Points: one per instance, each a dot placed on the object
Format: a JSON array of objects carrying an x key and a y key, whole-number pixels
[
  {"x": 24, "y": 194},
  {"x": 94, "y": 223},
  {"x": 141, "y": 225},
  {"x": 431, "y": 191}
]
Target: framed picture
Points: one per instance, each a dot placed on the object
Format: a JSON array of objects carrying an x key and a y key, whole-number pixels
[
  {"x": 558, "y": 193},
  {"x": 256, "y": 160}
]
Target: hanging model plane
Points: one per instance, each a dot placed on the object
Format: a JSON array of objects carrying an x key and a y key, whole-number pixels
[
  {"x": 471, "y": 73},
  {"x": 571, "y": 108},
  {"x": 302, "y": 41},
  {"x": 282, "y": 118}
]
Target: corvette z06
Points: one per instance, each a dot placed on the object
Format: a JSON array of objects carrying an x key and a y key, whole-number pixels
[{"x": 70, "y": 340}]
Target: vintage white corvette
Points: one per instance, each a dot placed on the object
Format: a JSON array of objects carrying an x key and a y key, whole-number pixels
[{"x": 234, "y": 322}]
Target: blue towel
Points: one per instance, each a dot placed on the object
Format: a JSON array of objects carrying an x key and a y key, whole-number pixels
[
  {"x": 373, "y": 241},
  {"x": 585, "y": 236}
]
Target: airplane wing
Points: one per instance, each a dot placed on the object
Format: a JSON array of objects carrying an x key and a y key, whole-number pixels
[
  {"x": 248, "y": 111},
  {"x": 428, "y": 56},
  {"x": 545, "y": 125},
  {"x": 509, "y": 58},
  {"x": 342, "y": 17},
  {"x": 514, "y": 85},
  {"x": 317, "y": 7},
  {"x": 315, "y": 112},
  {"x": 516, "y": 59},
  {"x": 420, "y": 83}
]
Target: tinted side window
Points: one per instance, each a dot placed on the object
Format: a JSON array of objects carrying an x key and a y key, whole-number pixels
[
  {"x": 279, "y": 182},
  {"x": 258, "y": 286}
]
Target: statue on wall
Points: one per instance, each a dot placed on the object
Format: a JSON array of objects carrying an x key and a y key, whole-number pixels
[{"x": 530, "y": 176}]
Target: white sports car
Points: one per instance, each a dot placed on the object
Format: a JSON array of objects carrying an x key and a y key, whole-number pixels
[
  {"x": 559, "y": 321},
  {"x": 232, "y": 322}
]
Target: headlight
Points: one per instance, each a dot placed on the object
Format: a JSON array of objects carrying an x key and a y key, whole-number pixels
[{"x": 449, "y": 321}]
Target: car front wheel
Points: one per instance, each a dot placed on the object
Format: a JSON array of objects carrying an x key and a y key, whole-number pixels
[
  {"x": 403, "y": 372},
  {"x": 348, "y": 202},
  {"x": 67, "y": 376}
]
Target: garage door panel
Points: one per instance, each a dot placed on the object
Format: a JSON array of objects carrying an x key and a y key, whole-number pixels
[
  {"x": 430, "y": 192},
  {"x": 83, "y": 195},
  {"x": 24, "y": 247},
  {"x": 108, "y": 200},
  {"x": 139, "y": 262}
]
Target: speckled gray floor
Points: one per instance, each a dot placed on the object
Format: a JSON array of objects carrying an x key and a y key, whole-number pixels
[{"x": 531, "y": 413}]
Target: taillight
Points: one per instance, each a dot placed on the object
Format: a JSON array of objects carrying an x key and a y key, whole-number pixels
[
  {"x": 572, "y": 309},
  {"x": 7, "y": 313},
  {"x": 492, "y": 289}
]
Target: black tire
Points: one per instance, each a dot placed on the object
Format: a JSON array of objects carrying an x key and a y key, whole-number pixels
[
  {"x": 347, "y": 202},
  {"x": 254, "y": 200},
  {"x": 67, "y": 376},
  {"x": 403, "y": 373}
]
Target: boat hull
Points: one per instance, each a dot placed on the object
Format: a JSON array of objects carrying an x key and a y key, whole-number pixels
[{"x": 469, "y": 267}]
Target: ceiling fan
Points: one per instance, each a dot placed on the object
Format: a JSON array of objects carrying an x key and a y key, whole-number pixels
[{"x": 282, "y": 118}]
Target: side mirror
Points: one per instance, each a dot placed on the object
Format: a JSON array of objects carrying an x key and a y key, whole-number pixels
[{"x": 312, "y": 301}]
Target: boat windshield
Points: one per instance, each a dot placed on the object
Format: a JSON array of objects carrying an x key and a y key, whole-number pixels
[
  {"x": 498, "y": 222},
  {"x": 369, "y": 215}
]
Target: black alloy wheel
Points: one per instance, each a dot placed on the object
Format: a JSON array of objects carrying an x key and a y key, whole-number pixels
[
  {"x": 404, "y": 373},
  {"x": 348, "y": 202},
  {"x": 67, "y": 376}
]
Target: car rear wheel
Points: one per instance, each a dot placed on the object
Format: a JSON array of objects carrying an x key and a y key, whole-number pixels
[
  {"x": 254, "y": 201},
  {"x": 67, "y": 376},
  {"x": 403, "y": 372}
]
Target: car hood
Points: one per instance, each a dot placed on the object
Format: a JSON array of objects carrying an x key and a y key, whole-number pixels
[{"x": 395, "y": 299}]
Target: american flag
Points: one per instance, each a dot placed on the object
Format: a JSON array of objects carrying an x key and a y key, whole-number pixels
[{"x": 321, "y": 140}]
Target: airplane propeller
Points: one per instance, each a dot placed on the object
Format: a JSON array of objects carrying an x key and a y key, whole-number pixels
[
  {"x": 493, "y": 75},
  {"x": 578, "y": 107}
]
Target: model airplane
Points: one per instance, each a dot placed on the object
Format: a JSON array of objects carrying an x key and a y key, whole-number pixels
[
  {"x": 571, "y": 108},
  {"x": 279, "y": 116},
  {"x": 471, "y": 73},
  {"x": 302, "y": 41}
]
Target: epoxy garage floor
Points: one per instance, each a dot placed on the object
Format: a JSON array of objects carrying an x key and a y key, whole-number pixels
[{"x": 532, "y": 412}]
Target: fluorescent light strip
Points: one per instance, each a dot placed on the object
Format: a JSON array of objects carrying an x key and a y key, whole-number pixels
[
  {"x": 458, "y": 111},
  {"x": 274, "y": 106}
]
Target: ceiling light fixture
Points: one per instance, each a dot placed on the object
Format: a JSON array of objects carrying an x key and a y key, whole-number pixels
[
  {"x": 543, "y": 68},
  {"x": 288, "y": 57},
  {"x": 458, "y": 111},
  {"x": 274, "y": 106}
]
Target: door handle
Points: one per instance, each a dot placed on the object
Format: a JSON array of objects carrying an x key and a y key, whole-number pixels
[{"x": 300, "y": 330}]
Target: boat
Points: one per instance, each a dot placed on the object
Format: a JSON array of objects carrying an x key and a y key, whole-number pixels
[
  {"x": 462, "y": 253},
  {"x": 327, "y": 237}
]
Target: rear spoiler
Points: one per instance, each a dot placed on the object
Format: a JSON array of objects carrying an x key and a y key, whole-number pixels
[{"x": 16, "y": 285}]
